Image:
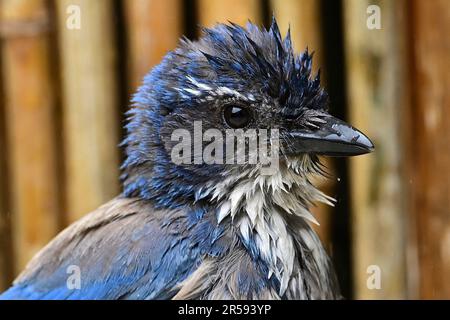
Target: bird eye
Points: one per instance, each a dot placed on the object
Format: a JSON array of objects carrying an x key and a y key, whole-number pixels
[{"x": 236, "y": 116}]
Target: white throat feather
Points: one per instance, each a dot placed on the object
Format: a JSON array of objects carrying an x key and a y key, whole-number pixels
[{"x": 258, "y": 205}]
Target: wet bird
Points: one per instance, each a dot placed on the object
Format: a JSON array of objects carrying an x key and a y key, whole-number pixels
[{"x": 196, "y": 230}]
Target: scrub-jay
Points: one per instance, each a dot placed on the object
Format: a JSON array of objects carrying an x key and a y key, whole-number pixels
[{"x": 188, "y": 229}]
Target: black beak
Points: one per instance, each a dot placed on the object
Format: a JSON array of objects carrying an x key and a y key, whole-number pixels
[{"x": 333, "y": 137}]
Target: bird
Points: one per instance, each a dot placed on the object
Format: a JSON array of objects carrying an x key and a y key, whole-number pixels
[{"x": 224, "y": 230}]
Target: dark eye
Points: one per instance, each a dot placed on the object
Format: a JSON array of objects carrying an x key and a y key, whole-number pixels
[{"x": 236, "y": 116}]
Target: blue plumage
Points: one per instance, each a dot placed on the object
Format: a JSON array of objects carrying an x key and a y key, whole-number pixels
[
  {"x": 132, "y": 257},
  {"x": 208, "y": 231}
]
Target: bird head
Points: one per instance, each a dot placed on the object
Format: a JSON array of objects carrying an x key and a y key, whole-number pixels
[{"x": 233, "y": 78}]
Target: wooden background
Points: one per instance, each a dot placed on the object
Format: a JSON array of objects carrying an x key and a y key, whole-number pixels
[{"x": 63, "y": 93}]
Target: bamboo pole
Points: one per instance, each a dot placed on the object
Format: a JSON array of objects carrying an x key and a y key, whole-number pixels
[
  {"x": 153, "y": 28},
  {"x": 376, "y": 71},
  {"x": 429, "y": 148},
  {"x": 90, "y": 102},
  {"x": 211, "y": 12},
  {"x": 303, "y": 18},
  {"x": 29, "y": 107},
  {"x": 5, "y": 221}
]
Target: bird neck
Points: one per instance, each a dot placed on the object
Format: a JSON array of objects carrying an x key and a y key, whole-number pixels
[{"x": 271, "y": 215}]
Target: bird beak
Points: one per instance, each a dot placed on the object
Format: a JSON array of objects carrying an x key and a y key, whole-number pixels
[{"x": 333, "y": 137}]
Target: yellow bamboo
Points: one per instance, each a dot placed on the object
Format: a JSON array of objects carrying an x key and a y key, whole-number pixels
[
  {"x": 90, "y": 102},
  {"x": 29, "y": 107},
  {"x": 211, "y": 12},
  {"x": 153, "y": 28},
  {"x": 303, "y": 16},
  {"x": 429, "y": 149},
  {"x": 5, "y": 223},
  {"x": 376, "y": 62}
]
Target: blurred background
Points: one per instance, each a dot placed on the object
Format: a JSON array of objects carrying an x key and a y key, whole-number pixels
[{"x": 68, "y": 68}]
